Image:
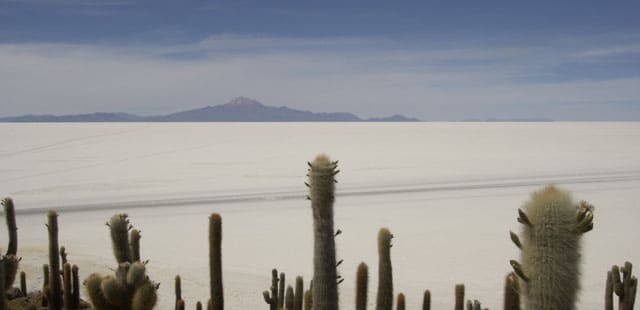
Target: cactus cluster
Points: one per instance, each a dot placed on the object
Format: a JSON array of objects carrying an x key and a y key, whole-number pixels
[
  {"x": 130, "y": 288},
  {"x": 547, "y": 276}
]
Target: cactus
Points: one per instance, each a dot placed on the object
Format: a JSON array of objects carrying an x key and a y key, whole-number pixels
[
  {"x": 550, "y": 243},
  {"x": 321, "y": 187},
  {"x": 66, "y": 280},
  {"x": 3, "y": 297},
  {"x": 511, "y": 293},
  {"x": 178, "y": 290},
  {"x": 45, "y": 286},
  {"x": 426, "y": 300},
  {"x": 308, "y": 299},
  {"x": 362, "y": 282},
  {"x": 198, "y": 306},
  {"x": 75, "y": 295},
  {"x": 299, "y": 294},
  {"x": 215, "y": 261},
  {"x": 459, "y": 293},
  {"x": 624, "y": 288},
  {"x": 23, "y": 283},
  {"x": 401, "y": 303},
  {"x": 288, "y": 300},
  {"x": 385, "y": 275},
  {"x": 281, "y": 295},
  {"x": 272, "y": 300},
  {"x": 10, "y": 259},
  {"x": 134, "y": 245},
  {"x": 55, "y": 283},
  {"x": 119, "y": 227},
  {"x": 180, "y": 304},
  {"x": 130, "y": 288}
]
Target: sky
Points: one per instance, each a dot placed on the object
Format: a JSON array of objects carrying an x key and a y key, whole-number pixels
[{"x": 435, "y": 60}]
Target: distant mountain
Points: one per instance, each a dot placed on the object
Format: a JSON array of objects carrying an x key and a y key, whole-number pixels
[{"x": 240, "y": 109}]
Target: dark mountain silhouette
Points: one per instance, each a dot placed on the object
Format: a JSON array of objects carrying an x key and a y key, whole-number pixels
[{"x": 240, "y": 109}]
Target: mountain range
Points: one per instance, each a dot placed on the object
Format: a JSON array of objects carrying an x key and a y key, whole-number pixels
[{"x": 240, "y": 109}]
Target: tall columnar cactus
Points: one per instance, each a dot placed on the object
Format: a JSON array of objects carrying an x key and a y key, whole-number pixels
[
  {"x": 299, "y": 294},
  {"x": 362, "y": 283},
  {"x": 426, "y": 300},
  {"x": 55, "y": 283},
  {"x": 321, "y": 187},
  {"x": 178, "y": 290},
  {"x": 134, "y": 245},
  {"x": 288, "y": 300},
  {"x": 272, "y": 300},
  {"x": 130, "y": 288},
  {"x": 550, "y": 244},
  {"x": 10, "y": 259},
  {"x": 384, "y": 299},
  {"x": 511, "y": 293},
  {"x": 3, "y": 297},
  {"x": 459, "y": 293},
  {"x": 281, "y": 292},
  {"x": 624, "y": 287},
  {"x": 215, "y": 261},
  {"x": 119, "y": 228},
  {"x": 401, "y": 302}
]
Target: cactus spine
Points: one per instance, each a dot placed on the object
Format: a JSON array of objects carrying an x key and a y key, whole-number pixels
[
  {"x": 550, "y": 243},
  {"x": 385, "y": 275},
  {"x": 362, "y": 283},
  {"x": 55, "y": 283},
  {"x": 321, "y": 187},
  {"x": 215, "y": 261}
]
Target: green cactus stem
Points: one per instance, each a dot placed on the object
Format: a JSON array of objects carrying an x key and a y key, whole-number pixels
[
  {"x": 426, "y": 300},
  {"x": 23, "y": 283},
  {"x": 321, "y": 192},
  {"x": 3, "y": 297},
  {"x": 550, "y": 243},
  {"x": 145, "y": 297},
  {"x": 400, "y": 305},
  {"x": 288, "y": 300},
  {"x": 459, "y": 293},
  {"x": 178, "y": 289},
  {"x": 272, "y": 300},
  {"x": 281, "y": 291},
  {"x": 180, "y": 304},
  {"x": 63, "y": 255},
  {"x": 75, "y": 295},
  {"x": 198, "y": 306},
  {"x": 215, "y": 261},
  {"x": 624, "y": 287},
  {"x": 45, "y": 285},
  {"x": 362, "y": 283},
  {"x": 119, "y": 228},
  {"x": 66, "y": 280},
  {"x": 308, "y": 300},
  {"x": 299, "y": 294},
  {"x": 12, "y": 228},
  {"x": 511, "y": 292},
  {"x": 384, "y": 299},
  {"x": 134, "y": 245},
  {"x": 55, "y": 283}
]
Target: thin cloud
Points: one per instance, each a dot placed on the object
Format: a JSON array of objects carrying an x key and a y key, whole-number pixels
[{"x": 367, "y": 76}]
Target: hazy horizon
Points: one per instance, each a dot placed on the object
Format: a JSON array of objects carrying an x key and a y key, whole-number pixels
[{"x": 430, "y": 60}]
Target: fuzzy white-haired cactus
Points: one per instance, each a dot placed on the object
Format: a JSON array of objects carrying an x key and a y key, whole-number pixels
[{"x": 550, "y": 242}]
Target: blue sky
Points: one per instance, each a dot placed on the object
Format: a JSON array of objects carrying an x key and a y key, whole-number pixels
[{"x": 436, "y": 60}]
